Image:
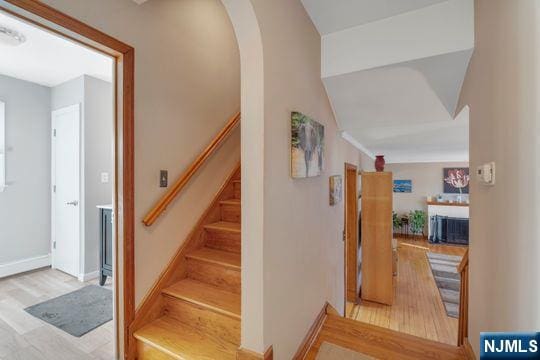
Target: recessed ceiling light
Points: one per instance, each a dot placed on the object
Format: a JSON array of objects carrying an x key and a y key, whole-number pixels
[{"x": 11, "y": 37}]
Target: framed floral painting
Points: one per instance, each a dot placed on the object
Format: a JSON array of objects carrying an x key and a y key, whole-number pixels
[{"x": 456, "y": 180}]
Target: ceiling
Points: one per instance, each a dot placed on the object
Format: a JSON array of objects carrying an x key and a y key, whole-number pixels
[
  {"x": 47, "y": 59},
  {"x": 331, "y": 16},
  {"x": 394, "y": 82}
]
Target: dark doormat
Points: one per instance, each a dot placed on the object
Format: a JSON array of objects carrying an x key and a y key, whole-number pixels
[{"x": 78, "y": 312}]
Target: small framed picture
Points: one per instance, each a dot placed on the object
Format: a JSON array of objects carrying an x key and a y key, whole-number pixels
[{"x": 336, "y": 189}]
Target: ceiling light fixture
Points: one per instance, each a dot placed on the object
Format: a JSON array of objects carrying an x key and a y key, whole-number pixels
[{"x": 11, "y": 37}]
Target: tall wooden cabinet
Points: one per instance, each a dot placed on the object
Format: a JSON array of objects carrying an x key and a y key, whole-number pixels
[{"x": 376, "y": 242}]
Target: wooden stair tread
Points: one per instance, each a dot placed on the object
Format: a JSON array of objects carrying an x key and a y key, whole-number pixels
[
  {"x": 183, "y": 342},
  {"x": 206, "y": 295},
  {"x": 224, "y": 226},
  {"x": 381, "y": 342},
  {"x": 231, "y": 202},
  {"x": 219, "y": 257}
]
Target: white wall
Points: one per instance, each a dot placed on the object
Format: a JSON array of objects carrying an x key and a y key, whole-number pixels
[
  {"x": 98, "y": 151},
  {"x": 187, "y": 85},
  {"x": 427, "y": 180},
  {"x": 25, "y": 203},
  {"x": 502, "y": 90},
  {"x": 96, "y": 99}
]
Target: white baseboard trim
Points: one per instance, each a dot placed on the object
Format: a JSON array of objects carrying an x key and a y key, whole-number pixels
[
  {"x": 24, "y": 265},
  {"x": 88, "y": 276}
]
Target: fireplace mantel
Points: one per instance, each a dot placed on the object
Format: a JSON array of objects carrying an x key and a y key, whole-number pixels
[{"x": 437, "y": 203}]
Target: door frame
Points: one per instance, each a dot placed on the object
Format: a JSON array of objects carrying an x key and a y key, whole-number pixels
[
  {"x": 48, "y": 18},
  {"x": 77, "y": 251},
  {"x": 350, "y": 233}
]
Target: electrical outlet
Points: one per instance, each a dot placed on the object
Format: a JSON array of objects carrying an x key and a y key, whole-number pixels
[
  {"x": 163, "y": 178},
  {"x": 104, "y": 178}
]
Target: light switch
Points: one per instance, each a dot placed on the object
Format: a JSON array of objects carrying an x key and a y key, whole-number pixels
[
  {"x": 163, "y": 178},
  {"x": 104, "y": 178}
]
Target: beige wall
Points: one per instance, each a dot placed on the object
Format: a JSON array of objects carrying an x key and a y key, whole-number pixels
[
  {"x": 426, "y": 181},
  {"x": 303, "y": 248},
  {"x": 501, "y": 88},
  {"x": 187, "y": 80}
]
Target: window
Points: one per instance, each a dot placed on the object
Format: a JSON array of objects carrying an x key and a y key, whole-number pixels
[{"x": 2, "y": 146}]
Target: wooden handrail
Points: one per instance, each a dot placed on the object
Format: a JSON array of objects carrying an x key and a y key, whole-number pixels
[
  {"x": 463, "y": 269},
  {"x": 170, "y": 195},
  {"x": 464, "y": 262}
]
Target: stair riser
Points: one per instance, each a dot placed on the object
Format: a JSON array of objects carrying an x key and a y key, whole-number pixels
[
  {"x": 237, "y": 190},
  {"x": 223, "y": 240},
  {"x": 147, "y": 352},
  {"x": 231, "y": 213},
  {"x": 217, "y": 275},
  {"x": 209, "y": 322}
]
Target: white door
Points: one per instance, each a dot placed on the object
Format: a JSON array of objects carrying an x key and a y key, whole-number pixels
[{"x": 66, "y": 189}]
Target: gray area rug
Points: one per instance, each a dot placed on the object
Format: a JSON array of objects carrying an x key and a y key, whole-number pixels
[
  {"x": 448, "y": 280},
  {"x": 329, "y": 351},
  {"x": 78, "y": 312}
]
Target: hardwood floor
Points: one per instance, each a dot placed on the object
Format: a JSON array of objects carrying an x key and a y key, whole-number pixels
[
  {"x": 418, "y": 309},
  {"x": 25, "y": 337},
  {"x": 380, "y": 343}
]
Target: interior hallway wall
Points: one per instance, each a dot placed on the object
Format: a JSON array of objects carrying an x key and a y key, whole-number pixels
[
  {"x": 502, "y": 90},
  {"x": 303, "y": 246},
  {"x": 187, "y": 85},
  {"x": 427, "y": 180},
  {"x": 25, "y": 222},
  {"x": 96, "y": 99}
]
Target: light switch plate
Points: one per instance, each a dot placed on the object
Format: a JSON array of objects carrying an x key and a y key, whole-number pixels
[
  {"x": 104, "y": 178},
  {"x": 163, "y": 178}
]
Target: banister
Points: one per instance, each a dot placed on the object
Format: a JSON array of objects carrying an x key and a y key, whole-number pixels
[
  {"x": 171, "y": 194},
  {"x": 464, "y": 262},
  {"x": 463, "y": 320}
]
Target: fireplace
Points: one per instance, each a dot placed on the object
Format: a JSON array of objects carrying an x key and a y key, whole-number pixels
[{"x": 450, "y": 230}]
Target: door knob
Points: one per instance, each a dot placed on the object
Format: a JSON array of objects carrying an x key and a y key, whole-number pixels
[{"x": 74, "y": 203}]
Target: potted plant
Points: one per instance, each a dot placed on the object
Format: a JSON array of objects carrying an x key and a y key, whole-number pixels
[
  {"x": 417, "y": 221},
  {"x": 396, "y": 221}
]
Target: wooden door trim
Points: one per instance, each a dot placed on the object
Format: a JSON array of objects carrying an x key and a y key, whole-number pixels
[
  {"x": 124, "y": 135},
  {"x": 348, "y": 168}
]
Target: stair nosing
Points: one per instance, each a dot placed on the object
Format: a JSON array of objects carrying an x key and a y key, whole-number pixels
[
  {"x": 213, "y": 227},
  {"x": 231, "y": 202},
  {"x": 214, "y": 262},
  {"x": 156, "y": 345},
  {"x": 207, "y": 306}
]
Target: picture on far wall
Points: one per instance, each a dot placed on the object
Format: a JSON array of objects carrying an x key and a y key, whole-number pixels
[
  {"x": 403, "y": 186},
  {"x": 307, "y": 146},
  {"x": 336, "y": 189},
  {"x": 456, "y": 180}
]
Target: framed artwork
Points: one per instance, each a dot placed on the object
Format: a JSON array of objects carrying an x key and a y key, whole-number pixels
[
  {"x": 456, "y": 180},
  {"x": 307, "y": 146},
  {"x": 403, "y": 186},
  {"x": 336, "y": 189}
]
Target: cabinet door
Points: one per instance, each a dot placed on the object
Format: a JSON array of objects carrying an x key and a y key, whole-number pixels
[
  {"x": 377, "y": 274},
  {"x": 106, "y": 239}
]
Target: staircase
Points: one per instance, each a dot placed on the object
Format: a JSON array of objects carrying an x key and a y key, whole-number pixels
[{"x": 198, "y": 316}]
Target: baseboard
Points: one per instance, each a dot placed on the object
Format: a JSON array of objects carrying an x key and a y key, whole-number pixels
[
  {"x": 88, "y": 276},
  {"x": 468, "y": 350},
  {"x": 313, "y": 331},
  {"x": 24, "y": 265},
  {"x": 244, "y": 354}
]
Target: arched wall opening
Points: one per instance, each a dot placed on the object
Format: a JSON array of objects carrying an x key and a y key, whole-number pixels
[{"x": 248, "y": 35}]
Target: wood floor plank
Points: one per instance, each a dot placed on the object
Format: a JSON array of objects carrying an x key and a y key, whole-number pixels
[
  {"x": 23, "y": 336},
  {"x": 381, "y": 343},
  {"x": 418, "y": 309}
]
